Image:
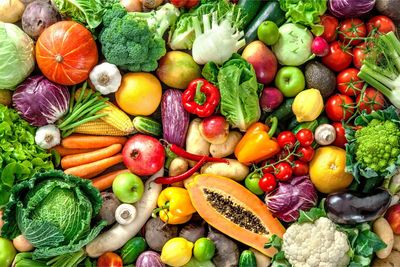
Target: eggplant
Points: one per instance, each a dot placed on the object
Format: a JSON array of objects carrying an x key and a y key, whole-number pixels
[
  {"x": 149, "y": 259},
  {"x": 175, "y": 119},
  {"x": 351, "y": 207}
]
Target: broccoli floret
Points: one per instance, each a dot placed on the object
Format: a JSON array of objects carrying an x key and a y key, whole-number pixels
[{"x": 378, "y": 144}]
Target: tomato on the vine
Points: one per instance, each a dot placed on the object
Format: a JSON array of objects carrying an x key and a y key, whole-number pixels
[
  {"x": 360, "y": 52},
  {"x": 372, "y": 100},
  {"x": 286, "y": 139},
  {"x": 284, "y": 154},
  {"x": 339, "y": 107},
  {"x": 348, "y": 82},
  {"x": 305, "y": 137},
  {"x": 270, "y": 168},
  {"x": 330, "y": 24},
  {"x": 283, "y": 171},
  {"x": 267, "y": 183},
  {"x": 300, "y": 168},
  {"x": 352, "y": 28},
  {"x": 306, "y": 153},
  {"x": 338, "y": 58},
  {"x": 340, "y": 140},
  {"x": 382, "y": 24}
]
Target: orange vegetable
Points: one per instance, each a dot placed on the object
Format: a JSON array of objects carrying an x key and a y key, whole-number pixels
[
  {"x": 71, "y": 151},
  {"x": 91, "y": 141},
  {"x": 86, "y": 170},
  {"x": 83, "y": 158},
  {"x": 105, "y": 181}
]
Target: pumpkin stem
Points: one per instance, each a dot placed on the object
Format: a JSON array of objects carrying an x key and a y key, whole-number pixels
[{"x": 59, "y": 58}]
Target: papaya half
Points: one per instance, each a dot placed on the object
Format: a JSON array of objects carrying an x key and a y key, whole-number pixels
[{"x": 235, "y": 211}]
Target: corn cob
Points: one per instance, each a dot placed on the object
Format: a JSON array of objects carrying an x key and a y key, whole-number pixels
[{"x": 99, "y": 127}]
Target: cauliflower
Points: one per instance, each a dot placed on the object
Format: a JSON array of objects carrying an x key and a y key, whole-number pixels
[{"x": 316, "y": 244}]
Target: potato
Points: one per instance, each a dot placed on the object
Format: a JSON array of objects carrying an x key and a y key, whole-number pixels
[
  {"x": 393, "y": 260},
  {"x": 234, "y": 170},
  {"x": 195, "y": 143},
  {"x": 261, "y": 259},
  {"x": 396, "y": 244},
  {"x": 178, "y": 166},
  {"x": 382, "y": 228},
  {"x": 227, "y": 148}
]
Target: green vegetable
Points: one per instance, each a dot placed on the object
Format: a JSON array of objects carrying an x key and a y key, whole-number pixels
[
  {"x": 195, "y": 263},
  {"x": 132, "y": 249},
  {"x": 247, "y": 259},
  {"x": 305, "y": 12},
  {"x": 20, "y": 157},
  {"x": 268, "y": 32},
  {"x": 134, "y": 41},
  {"x": 54, "y": 211},
  {"x": 283, "y": 112},
  {"x": 278, "y": 260},
  {"x": 204, "y": 249},
  {"x": 7, "y": 252},
  {"x": 25, "y": 259},
  {"x": 147, "y": 125},
  {"x": 250, "y": 9}
]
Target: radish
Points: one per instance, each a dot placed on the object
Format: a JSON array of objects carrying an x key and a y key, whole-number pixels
[
  {"x": 270, "y": 99},
  {"x": 320, "y": 47},
  {"x": 214, "y": 129}
]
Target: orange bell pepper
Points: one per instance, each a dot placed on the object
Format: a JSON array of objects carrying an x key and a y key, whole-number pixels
[{"x": 256, "y": 145}]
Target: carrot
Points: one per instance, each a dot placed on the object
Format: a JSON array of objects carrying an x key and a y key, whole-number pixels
[
  {"x": 93, "y": 167},
  {"x": 105, "y": 181},
  {"x": 94, "y": 174},
  {"x": 91, "y": 141},
  {"x": 84, "y": 158},
  {"x": 70, "y": 151}
]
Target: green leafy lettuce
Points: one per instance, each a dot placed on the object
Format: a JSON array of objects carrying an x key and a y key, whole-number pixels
[
  {"x": 239, "y": 90},
  {"x": 54, "y": 211},
  {"x": 20, "y": 157}
]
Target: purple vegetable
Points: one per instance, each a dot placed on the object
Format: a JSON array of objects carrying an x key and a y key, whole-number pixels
[
  {"x": 286, "y": 201},
  {"x": 40, "y": 101},
  {"x": 149, "y": 259},
  {"x": 270, "y": 99},
  {"x": 175, "y": 119},
  {"x": 350, "y": 8}
]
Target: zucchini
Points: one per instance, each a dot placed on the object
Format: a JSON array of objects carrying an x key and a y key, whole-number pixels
[
  {"x": 132, "y": 249},
  {"x": 247, "y": 259},
  {"x": 272, "y": 12},
  {"x": 283, "y": 112},
  {"x": 147, "y": 125},
  {"x": 250, "y": 9}
]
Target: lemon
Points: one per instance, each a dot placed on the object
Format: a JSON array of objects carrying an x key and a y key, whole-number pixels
[
  {"x": 308, "y": 105},
  {"x": 177, "y": 252}
]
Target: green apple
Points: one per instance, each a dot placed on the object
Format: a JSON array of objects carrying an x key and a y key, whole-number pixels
[
  {"x": 290, "y": 81},
  {"x": 7, "y": 252},
  {"x": 128, "y": 188}
]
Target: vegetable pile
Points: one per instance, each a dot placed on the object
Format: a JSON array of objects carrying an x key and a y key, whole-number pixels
[{"x": 199, "y": 133}]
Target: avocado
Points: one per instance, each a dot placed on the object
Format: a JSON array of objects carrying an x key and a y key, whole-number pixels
[{"x": 321, "y": 78}]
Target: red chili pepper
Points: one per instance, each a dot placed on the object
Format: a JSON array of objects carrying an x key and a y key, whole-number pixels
[
  {"x": 201, "y": 98},
  {"x": 180, "y": 152},
  {"x": 183, "y": 176}
]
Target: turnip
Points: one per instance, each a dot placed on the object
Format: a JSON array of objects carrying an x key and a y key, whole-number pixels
[
  {"x": 270, "y": 99},
  {"x": 320, "y": 47}
]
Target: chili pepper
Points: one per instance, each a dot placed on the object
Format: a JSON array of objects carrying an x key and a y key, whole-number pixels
[
  {"x": 201, "y": 98},
  {"x": 174, "y": 205},
  {"x": 180, "y": 152},
  {"x": 183, "y": 176},
  {"x": 257, "y": 145}
]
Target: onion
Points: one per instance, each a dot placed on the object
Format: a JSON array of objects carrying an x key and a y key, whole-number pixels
[
  {"x": 270, "y": 99},
  {"x": 350, "y": 8},
  {"x": 132, "y": 5}
]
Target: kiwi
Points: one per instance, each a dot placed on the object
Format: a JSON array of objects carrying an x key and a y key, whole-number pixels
[{"x": 321, "y": 78}]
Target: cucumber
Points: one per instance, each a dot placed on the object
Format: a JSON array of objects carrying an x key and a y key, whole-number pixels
[
  {"x": 147, "y": 125},
  {"x": 270, "y": 11},
  {"x": 283, "y": 112},
  {"x": 250, "y": 9},
  {"x": 132, "y": 249},
  {"x": 311, "y": 125},
  {"x": 247, "y": 259}
]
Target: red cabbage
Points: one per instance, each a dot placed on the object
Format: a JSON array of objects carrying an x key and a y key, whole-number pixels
[
  {"x": 350, "y": 8},
  {"x": 40, "y": 101},
  {"x": 286, "y": 201}
]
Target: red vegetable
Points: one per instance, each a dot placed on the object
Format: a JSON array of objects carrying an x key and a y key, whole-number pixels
[
  {"x": 338, "y": 57},
  {"x": 340, "y": 140},
  {"x": 300, "y": 168},
  {"x": 286, "y": 139},
  {"x": 339, "y": 107},
  {"x": 183, "y": 176},
  {"x": 352, "y": 28},
  {"x": 180, "y": 152},
  {"x": 348, "y": 82},
  {"x": 372, "y": 100},
  {"x": 270, "y": 99},
  {"x": 382, "y": 24},
  {"x": 320, "y": 47},
  {"x": 306, "y": 153},
  {"x": 330, "y": 24},
  {"x": 360, "y": 52},
  {"x": 283, "y": 171},
  {"x": 305, "y": 137},
  {"x": 267, "y": 183}
]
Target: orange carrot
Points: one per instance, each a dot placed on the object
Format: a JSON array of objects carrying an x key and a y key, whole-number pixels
[
  {"x": 91, "y": 175},
  {"x": 87, "y": 169},
  {"x": 91, "y": 141},
  {"x": 71, "y": 151},
  {"x": 105, "y": 181},
  {"x": 84, "y": 158}
]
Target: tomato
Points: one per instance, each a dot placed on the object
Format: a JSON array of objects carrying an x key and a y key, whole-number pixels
[
  {"x": 338, "y": 57},
  {"x": 109, "y": 259},
  {"x": 381, "y": 23},
  {"x": 267, "y": 183},
  {"x": 305, "y": 137},
  {"x": 286, "y": 138},
  {"x": 283, "y": 171},
  {"x": 300, "y": 168},
  {"x": 339, "y": 107},
  {"x": 306, "y": 153},
  {"x": 372, "y": 100},
  {"x": 348, "y": 82},
  {"x": 352, "y": 28},
  {"x": 284, "y": 155},
  {"x": 330, "y": 24},
  {"x": 360, "y": 52},
  {"x": 340, "y": 140},
  {"x": 191, "y": 3},
  {"x": 268, "y": 169}
]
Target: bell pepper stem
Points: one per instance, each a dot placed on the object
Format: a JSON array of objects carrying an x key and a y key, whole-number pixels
[
  {"x": 199, "y": 97},
  {"x": 157, "y": 210},
  {"x": 274, "y": 126}
]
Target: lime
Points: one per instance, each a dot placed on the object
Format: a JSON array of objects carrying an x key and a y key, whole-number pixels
[{"x": 268, "y": 32}]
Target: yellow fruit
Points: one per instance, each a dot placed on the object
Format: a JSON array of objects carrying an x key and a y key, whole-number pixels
[
  {"x": 176, "y": 252},
  {"x": 327, "y": 170},
  {"x": 308, "y": 105},
  {"x": 139, "y": 93}
]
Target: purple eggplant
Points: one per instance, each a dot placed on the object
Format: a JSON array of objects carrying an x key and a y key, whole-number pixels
[{"x": 149, "y": 259}]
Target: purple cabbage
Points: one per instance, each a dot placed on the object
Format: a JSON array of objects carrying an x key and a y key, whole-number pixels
[
  {"x": 350, "y": 8},
  {"x": 149, "y": 259},
  {"x": 286, "y": 201},
  {"x": 40, "y": 101}
]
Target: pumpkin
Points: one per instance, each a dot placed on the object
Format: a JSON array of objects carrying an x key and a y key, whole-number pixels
[{"x": 66, "y": 53}]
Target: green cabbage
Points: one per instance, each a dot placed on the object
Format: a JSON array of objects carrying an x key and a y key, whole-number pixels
[
  {"x": 54, "y": 211},
  {"x": 17, "y": 59}
]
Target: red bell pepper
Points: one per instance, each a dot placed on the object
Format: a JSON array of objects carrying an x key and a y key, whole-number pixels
[{"x": 185, "y": 3}]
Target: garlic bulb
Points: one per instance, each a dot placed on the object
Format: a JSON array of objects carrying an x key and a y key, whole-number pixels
[{"x": 47, "y": 136}]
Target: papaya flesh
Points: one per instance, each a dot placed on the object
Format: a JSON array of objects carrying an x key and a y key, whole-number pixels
[{"x": 235, "y": 211}]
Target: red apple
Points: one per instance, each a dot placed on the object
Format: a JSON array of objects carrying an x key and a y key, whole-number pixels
[
  {"x": 109, "y": 259},
  {"x": 393, "y": 217},
  {"x": 214, "y": 129},
  {"x": 143, "y": 155}
]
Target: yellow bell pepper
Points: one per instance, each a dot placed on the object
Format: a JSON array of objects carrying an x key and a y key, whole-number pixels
[{"x": 175, "y": 206}]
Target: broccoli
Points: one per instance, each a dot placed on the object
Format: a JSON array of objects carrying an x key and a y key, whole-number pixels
[
  {"x": 134, "y": 41},
  {"x": 378, "y": 144}
]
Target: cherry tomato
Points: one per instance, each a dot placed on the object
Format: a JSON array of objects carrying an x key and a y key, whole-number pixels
[
  {"x": 286, "y": 138},
  {"x": 300, "y": 168},
  {"x": 306, "y": 153},
  {"x": 284, "y": 154},
  {"x": 348, "y": 82},
  {"x": 305, "y": 137},
  {"x": 191, "y": 3},
  {"x": 360, "y": 52},
  {"x": 109, "y": 259},
  {"x": 372, "y": 100},
  {"x": 268, "y": 169},
  {"x": 330, "y": 24},
  {"x": 338, "y": 57},
  {"x": 267, "y": 183},
  {"x": 382, "y": 24},
  {"x": 283, "y": 171},
  {"x": 352, "y": 28},
  {"x": 340, "y": 140},
  {"x": 339, "y": 107}
]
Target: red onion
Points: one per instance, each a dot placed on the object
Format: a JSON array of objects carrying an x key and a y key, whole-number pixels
[
  {"x": 320, "y": 47},
  {"x": 270, "y": 99},
  {"x": 149, "y": 259},
  {"x": 350, "y": 8}
]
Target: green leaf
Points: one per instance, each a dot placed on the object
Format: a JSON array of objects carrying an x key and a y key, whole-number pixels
[
  {"x": 305, "y": 12},
  {"x": 274, "y": 242},
  {"x": 313, "y": 214}
]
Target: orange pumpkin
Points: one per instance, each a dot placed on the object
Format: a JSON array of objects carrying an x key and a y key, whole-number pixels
[{"x": 66, "y": 53}]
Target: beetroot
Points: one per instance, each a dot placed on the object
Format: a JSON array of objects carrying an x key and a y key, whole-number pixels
[{"x": 271, "y": 98}]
